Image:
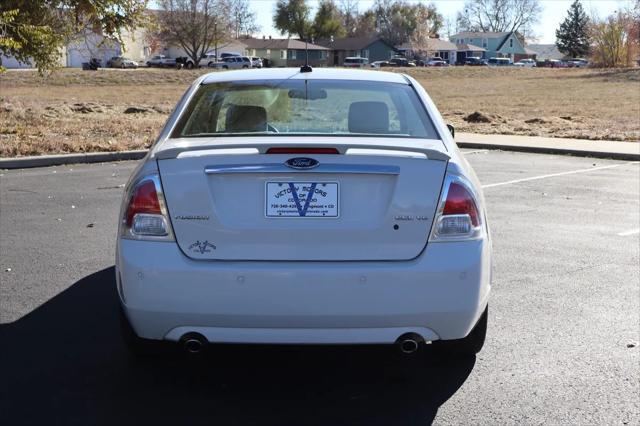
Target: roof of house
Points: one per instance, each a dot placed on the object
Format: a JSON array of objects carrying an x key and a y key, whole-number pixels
[
  {"x": 351, "y": 43},
  {"x": 466, "y": 47},
  {"x": 280, "y": 43},
  {"x": 431, "y": 44},
  {"x": 546, "y": 51},
  {"x": 505, "y": 41},
  {"x": 482, "y": 34}
]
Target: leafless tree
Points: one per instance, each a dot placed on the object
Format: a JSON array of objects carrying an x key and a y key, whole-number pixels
[
  {"x": 243, "y": 19},
  {"x": 349, "y": 13},
  {"x": 499, "y": 15},
  {"x": 195, "y": 25}
]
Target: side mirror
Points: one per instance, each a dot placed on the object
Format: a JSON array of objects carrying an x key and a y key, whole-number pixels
[{"x": 452, "y": 130}]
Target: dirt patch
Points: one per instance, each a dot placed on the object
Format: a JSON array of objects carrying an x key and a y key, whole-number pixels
[
  {"x": 79, "y": 111},
  {"x": 477, "y": 117}
]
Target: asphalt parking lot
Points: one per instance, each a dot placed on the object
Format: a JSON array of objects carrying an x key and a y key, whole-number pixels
[{"x": 562, "y": 343}]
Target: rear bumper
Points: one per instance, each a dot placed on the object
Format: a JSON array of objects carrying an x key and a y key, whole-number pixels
[{"x": 439, "y": 295}]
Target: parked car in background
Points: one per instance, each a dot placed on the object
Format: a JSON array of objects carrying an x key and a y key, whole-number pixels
[
  {"x": 161, "y": 61},
  {"x": 232, "y": 63},
  {"x": 401, "y": 62},
  {"x": 475, "y": 61},
  {"x": 525, "y": 63},
  {"x": 121, "y": 62},
  {"x": 266, "y": 243},
  {"x": 224, "y": 55},
  {"x": 437, "y": 62},
  {"x": 256, "y": 62},
  {"x": 555, "y": 63},
  {"x": 499, "y": 62},
  {"x": 379, "y": 64},
  {"x": 355, "y": 62},
  {"x": 577, "y": 63}
]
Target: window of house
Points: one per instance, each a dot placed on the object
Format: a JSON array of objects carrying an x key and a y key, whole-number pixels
[
  {"x": 485, "y": 43},
  {"x": 268, "y": 53},
  {"x": 510, "y": 42},
  {"x": 292, "y": 54},
  {"x": 283, "y": 54},
  {"x": 365, "y": 53}
]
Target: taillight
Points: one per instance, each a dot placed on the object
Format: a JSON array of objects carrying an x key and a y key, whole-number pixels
[
  {"x": 144, "y": 214},
  {"x": 458, "y": 215}
]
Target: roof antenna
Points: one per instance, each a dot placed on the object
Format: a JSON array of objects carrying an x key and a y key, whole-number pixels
[{"x": 306, "y": 67}]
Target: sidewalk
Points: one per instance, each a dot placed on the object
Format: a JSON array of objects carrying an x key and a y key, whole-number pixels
[
  {"x": 579, "y": 147},
  {"x": 629, "y": 151}
]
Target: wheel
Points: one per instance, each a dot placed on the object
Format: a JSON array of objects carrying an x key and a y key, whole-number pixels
[
  {"x": 244, "y": 66},
  {"x": 225, "y": 67},
  {"x": 122, "y": 66},
  {"x": 468, "y": 346},
  {"x": 189, "y": 65}
]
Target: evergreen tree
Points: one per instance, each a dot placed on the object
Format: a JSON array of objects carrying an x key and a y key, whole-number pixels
[
  {"x": 327, "y": 22},
  {"x": 572, "y": 38}
]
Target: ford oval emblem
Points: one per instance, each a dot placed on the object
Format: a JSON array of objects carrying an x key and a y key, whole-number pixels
[{"x": 302, "y": 163}]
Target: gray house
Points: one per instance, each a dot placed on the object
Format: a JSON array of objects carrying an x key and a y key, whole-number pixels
[{"x": 374, "y": 48}]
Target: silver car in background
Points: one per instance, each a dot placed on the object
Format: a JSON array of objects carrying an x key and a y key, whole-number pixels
[{"x": 287, "y": 206}]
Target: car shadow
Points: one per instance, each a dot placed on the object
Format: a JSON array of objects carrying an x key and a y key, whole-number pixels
[{"x": 65, "y": 363}]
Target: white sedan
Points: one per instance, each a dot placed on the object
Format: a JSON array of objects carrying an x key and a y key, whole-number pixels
[
  {"x": 525, "y": 63},
  {"x": 280, "y": 206}
]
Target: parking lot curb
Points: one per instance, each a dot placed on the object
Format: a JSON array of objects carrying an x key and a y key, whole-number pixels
[
  {"x": 552, "y": 150},
  {"x": 103, "y": 157},
  {"x": 59, "y": 160}
]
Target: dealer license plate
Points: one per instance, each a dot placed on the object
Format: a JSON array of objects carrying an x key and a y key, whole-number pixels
[{"x": 302, "y": 199}]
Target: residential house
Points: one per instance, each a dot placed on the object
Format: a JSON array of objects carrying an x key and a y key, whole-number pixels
[
  {"x": 286, "y": 52},
  {"x": 374, "y": 48},
  {"x": 496, "y": 44},
  {"x": 431, "y": 48},
  {"x": 229, "y": 46},
  {"x": 545, "y": 52},
  {"x": 466, "y": 50}
]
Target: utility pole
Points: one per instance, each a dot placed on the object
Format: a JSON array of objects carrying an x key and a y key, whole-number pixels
[{"x": 215, "y": 38}]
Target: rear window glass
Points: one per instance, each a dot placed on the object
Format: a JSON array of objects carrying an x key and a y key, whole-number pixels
[{"x": 305, "y": 107}]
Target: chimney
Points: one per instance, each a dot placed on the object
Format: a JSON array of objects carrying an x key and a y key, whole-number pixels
[
  {"x": 264, "y": 37},
  {"x": 269, "y": 37}
]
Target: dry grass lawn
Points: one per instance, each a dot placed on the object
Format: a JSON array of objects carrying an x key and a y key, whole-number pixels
[{"x": 80, "y": 111}]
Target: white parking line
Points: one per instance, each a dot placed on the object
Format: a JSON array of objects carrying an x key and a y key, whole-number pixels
[
  {"x": 491, "y": 185},
  {"x": 629, "y": 233}
]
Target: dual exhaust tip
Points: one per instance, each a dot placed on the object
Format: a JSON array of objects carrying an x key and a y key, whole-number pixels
[{"x": 195, "y": 343}]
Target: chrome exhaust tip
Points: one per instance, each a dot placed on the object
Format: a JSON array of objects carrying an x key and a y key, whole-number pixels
[
  {"x": 409, "y": 343},
  {"x": 193, "y": 343},
  {"x": 408, "y": 346}
]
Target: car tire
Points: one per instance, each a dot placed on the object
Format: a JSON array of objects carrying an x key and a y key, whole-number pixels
[
  {"x": 225, "y": 67},
  {"x": 189, "y": 65},
  {"x": 468, "y": 346},
  {"x": 245, "y": 67},
  {"x": 122, "y": 66}
]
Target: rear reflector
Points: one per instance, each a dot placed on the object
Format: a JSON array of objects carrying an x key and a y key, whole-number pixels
[{"x": 287, "y": 150}]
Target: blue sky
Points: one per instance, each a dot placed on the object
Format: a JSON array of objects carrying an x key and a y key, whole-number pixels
[{"x": 554, "y": 13}]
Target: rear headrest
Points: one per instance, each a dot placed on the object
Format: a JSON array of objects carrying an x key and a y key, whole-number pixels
[
  {"x": 368, "y": 117},
  {"x": 246, "y": 118}
]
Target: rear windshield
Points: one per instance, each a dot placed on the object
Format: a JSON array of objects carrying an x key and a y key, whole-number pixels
[{"x": 305, "y": 107}]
